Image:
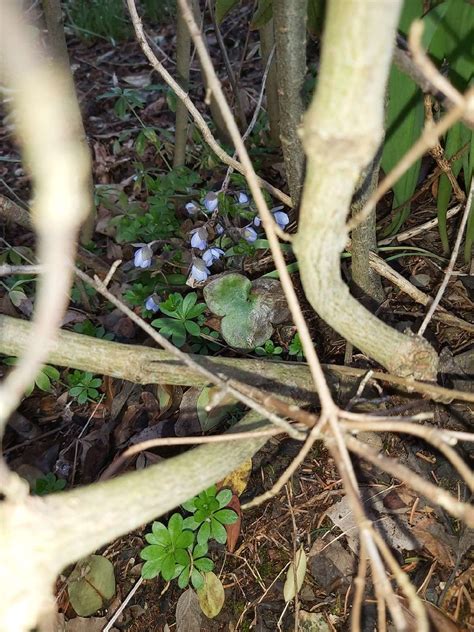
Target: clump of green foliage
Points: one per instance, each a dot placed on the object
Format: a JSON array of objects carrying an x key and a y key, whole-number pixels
[
  {"x": 83, "y": 386},
  {"x": 178, "y": 550},
  {"x": 184, "y": 316}
]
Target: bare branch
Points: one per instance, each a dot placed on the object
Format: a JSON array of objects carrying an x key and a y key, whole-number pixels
[{"x": 452, "y": 261}]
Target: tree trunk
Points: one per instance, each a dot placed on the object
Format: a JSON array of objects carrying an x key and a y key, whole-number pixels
[
  {"x": 183, "y": 60},
  {"x": 367, "y": 282},
  {"x": 267, "y": 42},
  {"x": 290, "y": 33}
]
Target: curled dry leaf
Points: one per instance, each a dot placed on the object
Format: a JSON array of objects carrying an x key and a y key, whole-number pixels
[{"x": 233, "y": 530}]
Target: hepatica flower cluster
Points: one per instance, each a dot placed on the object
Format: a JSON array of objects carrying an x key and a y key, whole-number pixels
[{"x": 208, "y": 240}]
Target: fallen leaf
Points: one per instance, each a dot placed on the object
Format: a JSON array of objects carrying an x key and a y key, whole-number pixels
[
  {"x": 435, "y": 539},
  {"x": 86, "y": 624},
  {"x": 237, "y": 479},
  {"x": 188, "y": 612},
  {"x": 312, "y": 622},
  {"x": 91, "y": 584},
  {"x": 295, "y": 575},
  {"x": 331, "y": 565},
  {"x": 211, "y": 595}
]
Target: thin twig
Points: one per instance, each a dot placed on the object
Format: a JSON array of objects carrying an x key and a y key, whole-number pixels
[
  {"x": 385, "y": 270},
  {"x": 434, "y": 493},
  {"x": 442, "y": 440},
  {"x": 421, "y": 228},
  {"x": 252, "y": 123},
  {"x": 359, "y": 583},
  {"x": 428, "y": 139},
  {"x": 427, "y": 67},
  {"x": 452, "y": 262},
  {"x": 291, "y": 469},
  {"x": 123, "y": 605},
  {"x": 197, "y": 116}
]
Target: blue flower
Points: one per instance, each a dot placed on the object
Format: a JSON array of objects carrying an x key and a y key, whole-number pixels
[
  {"x": 211, "y": 255},
  {"x": 211, "y": 201},
  {"x": 249, "y": 234},
  {"x": 142, "y": 257},
  {"x": 152, "y": 303},
  {"x": 199, "y": 270},
  {"x": 192, "y": 208},
  {"x": 242, "y": 198},
  {"x": 219, "y": 229},
  {"x": 199, "y": 238},
  {"x": 281, "y": 219}
]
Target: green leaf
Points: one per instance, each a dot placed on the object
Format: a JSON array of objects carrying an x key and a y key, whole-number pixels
[
  {"x": 95, "y": 383},
  {"x": 154, "y": 552},
  {"x": 182, "y": 557},
  {"x": 188, "y": 302},
  {"x": 185, "y": 539},
  {"x": 51, "y": 372},
  {"x": 224, "y": 497},
  {"x": 223, "y": 7},
  {"x": 196, "y": 310},
  {"x": 92, "y": 393},
  {"x": 204, "y": 533},
  {"x": 249, "y": 308},
  {"x": 167, "y": 567},
  {"x": 192, "y": 328},
  {"x": 190, "y": 523},
  {"x": 218, "y": 532},
  {"x": 43, "y": 382},
  {"x": 209, "y": 419},
  {"x": 17, "y": 297},
  {"x": 160, "y": 531},
  {"x": 76, "y": 390},
  {"x": 175, "y": 526},
  {"x": 197, "y": 579},
  {"x": 226, "y": 516},
  {"x": 204, "y": 564},
  {"x": 456, "y": 137},
  {"x": 200, "y": 550},
  {"x": 404, "y": 123},
  {"x": 183, "y": 579},
  {"x": 179, "y": 336},
  {"x": 262, "y": 15},
  {"x": 189, "y": 505},
  {"x": 151, "y": 569}
]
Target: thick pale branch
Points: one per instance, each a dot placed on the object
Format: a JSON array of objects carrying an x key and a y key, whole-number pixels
[
  {"x": 342, "y": 130},
  {"x": 144, "y": 365},
  {"x": 70, "y": 525}
]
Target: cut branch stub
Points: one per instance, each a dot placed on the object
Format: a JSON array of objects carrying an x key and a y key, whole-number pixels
[{"x": 249, "y": 308}]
